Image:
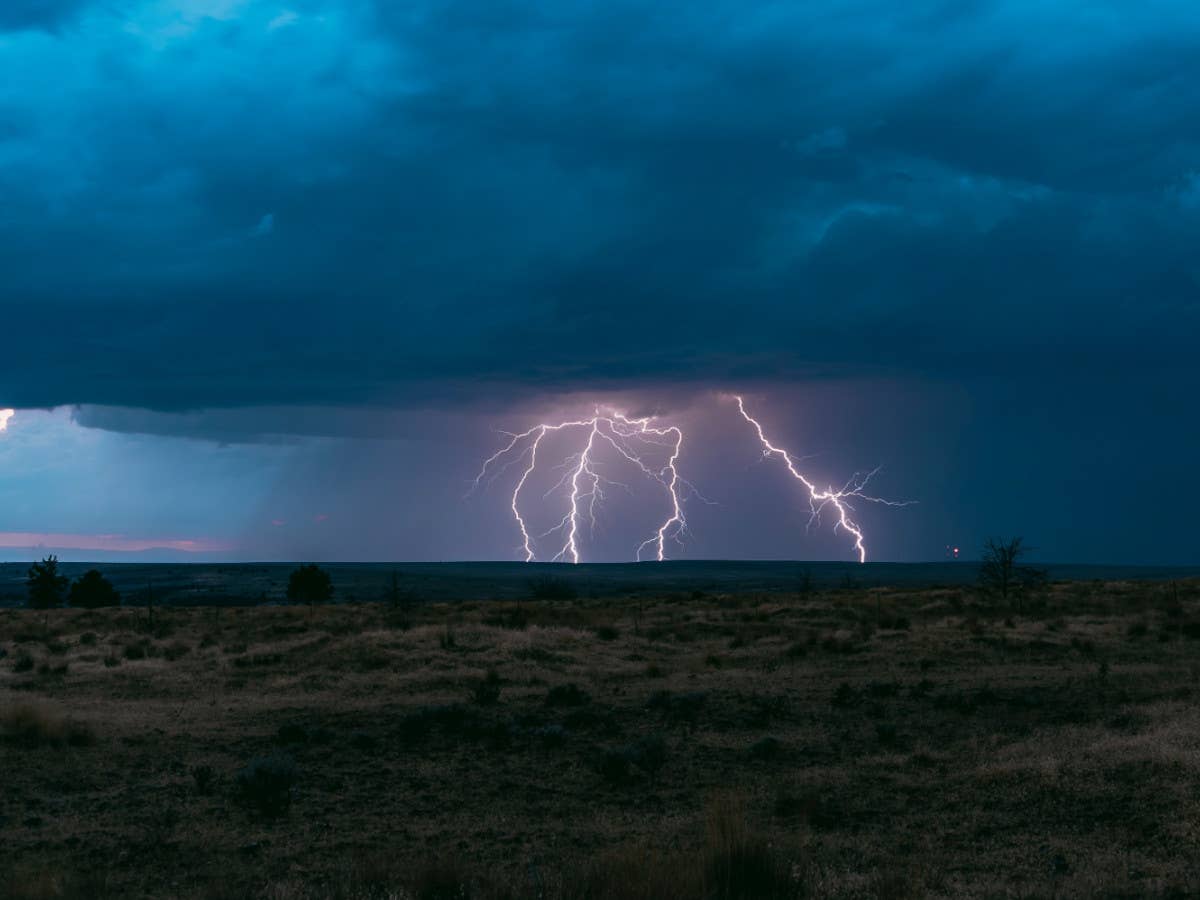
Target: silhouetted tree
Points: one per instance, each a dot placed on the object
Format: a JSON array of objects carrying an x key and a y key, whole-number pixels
[
  {"x": 310, "y": 584},
  {"x": 92, "y": 590},
  {"x": 1001, "y": 571},
  {"x": 45, "y": 585}
]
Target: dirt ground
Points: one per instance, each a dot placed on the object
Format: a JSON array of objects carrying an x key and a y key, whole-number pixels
[{"x": 835, "y": 743}]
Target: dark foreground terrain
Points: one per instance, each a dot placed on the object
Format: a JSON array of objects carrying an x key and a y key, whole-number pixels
[{"x": 831, "y": 743}]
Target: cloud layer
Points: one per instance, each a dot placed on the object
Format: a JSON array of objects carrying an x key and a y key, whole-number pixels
[{"x": 243, "y": 202}]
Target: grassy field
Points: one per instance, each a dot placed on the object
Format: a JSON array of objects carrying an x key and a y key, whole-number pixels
[{"x": 840, "y": 743}]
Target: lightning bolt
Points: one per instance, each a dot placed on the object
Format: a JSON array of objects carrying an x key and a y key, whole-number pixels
[
  {"x": 819, "y": 500},
  {"x": 5, "y": 415},
  {"x": 633, "y": 439}
]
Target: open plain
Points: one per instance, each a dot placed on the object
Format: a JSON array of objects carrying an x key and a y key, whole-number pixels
[{"x": 825, "y": 741}]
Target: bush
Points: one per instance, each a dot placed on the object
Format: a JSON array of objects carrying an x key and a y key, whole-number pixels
[
  {"x": 739, "y": 864},
  {"x": 202, "y": 778},
  {"x": 45, "y": 585},
  {"x": 648, "y": 753},
  {"x": 266, "y": 784},
  {"x": 139, "y": 649},
  {"x": 92, "y": 591},
  {"x": 613, "y": 765},
  {"x": 310, "y": 584},
  {"x": 767, "y": 748},
  {"x": 551, "y": 587},
  {"x": 551, "y": 735},
  {"x": 566, "y": 695},
  {"x": 27, "y": 725},
  {"x": 845, "y": 696},
  {"x": 487, "y": 691}
]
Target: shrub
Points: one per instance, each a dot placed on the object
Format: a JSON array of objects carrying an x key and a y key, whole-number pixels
[
  {"x": 176, "y": 650},
  {"x": 138, "y": 649},
  {"x": 92, "y": 591},
  {"x": 291, "y": 733},
  {"x": 551, "y": 735},
  {"x": 266, "y": 784},
  {"x": 27, "y": 725},
  {"x": 23, "y": 662},
  {"x": 613, "y": 765},
  {"x": 45, "y": 585},
  {"x": 739, "y": 864},
  {"x": 487, "y": 691},
  {"x": 202, "y": 779},
  {"x": 767, "y": 748},
  {"x": 551, "y": 587},
  {"x": 88, "y": 639},
  {"x": 566, "y": 695},
  {"x": 310, "y": 584},
  {"x": 607, "y": 633},
  {"x": 678, "y": 707},
  {"x": 845, "y": 696},
  {"x": 648, "y": 753}
]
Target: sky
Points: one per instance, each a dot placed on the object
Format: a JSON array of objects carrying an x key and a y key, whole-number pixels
[{"x": 276, "y": 277}]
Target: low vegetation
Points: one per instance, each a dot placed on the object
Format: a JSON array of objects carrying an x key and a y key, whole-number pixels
[{"x": 848, "y": 743}]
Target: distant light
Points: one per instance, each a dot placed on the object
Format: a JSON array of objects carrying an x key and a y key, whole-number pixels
[{"x": 5, "y": 415}]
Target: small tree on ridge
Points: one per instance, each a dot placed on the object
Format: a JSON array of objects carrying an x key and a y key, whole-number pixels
[
  {"x": 310, "y": 584},
  {"x": 1001, "y": 572},
  {"x": 45, "y": 585}
]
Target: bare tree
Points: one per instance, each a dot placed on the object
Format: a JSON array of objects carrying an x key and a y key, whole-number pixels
[{"x": 1002, "y": 572}]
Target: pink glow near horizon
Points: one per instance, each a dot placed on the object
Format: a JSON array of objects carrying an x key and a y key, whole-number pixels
[{"x": 20, "y": 540}]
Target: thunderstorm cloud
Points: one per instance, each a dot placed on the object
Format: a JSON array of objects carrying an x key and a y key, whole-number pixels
[
  {"x": 230, "y": 202},
  {"x": 252, "y": 219}
]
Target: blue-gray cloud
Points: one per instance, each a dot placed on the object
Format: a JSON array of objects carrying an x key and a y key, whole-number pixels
[
  {"x": 246, "y": 202},
  {"x": 37, "y": 15}
]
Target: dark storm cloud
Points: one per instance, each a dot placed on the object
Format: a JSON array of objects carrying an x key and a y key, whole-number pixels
[
  {"x": 48, "y": 15},
  {"x": 221, "y": 203}
]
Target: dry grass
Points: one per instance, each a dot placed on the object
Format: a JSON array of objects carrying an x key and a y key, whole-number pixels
[
  {"x": 846, "y": 744},
  {"x": 30, "y": 725}
]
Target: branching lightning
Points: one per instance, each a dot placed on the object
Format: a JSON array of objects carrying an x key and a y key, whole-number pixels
[
  {"x": 634, "y": 439},
  {"x": 637, "y": 440},
  {"x": 819, "y": 500}
]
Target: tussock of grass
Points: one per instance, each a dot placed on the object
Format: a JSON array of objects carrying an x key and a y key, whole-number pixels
[{"x": 32, "y": 725}]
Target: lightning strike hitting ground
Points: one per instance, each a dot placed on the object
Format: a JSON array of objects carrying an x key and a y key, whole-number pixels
[
  {"x": 635, "y": 440},
  {"x": 632, "y": 439},
  {"x": 819, "y": 499}
]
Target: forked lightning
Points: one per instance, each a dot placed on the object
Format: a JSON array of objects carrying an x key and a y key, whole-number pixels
[{"x": 638, "y": 440}]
